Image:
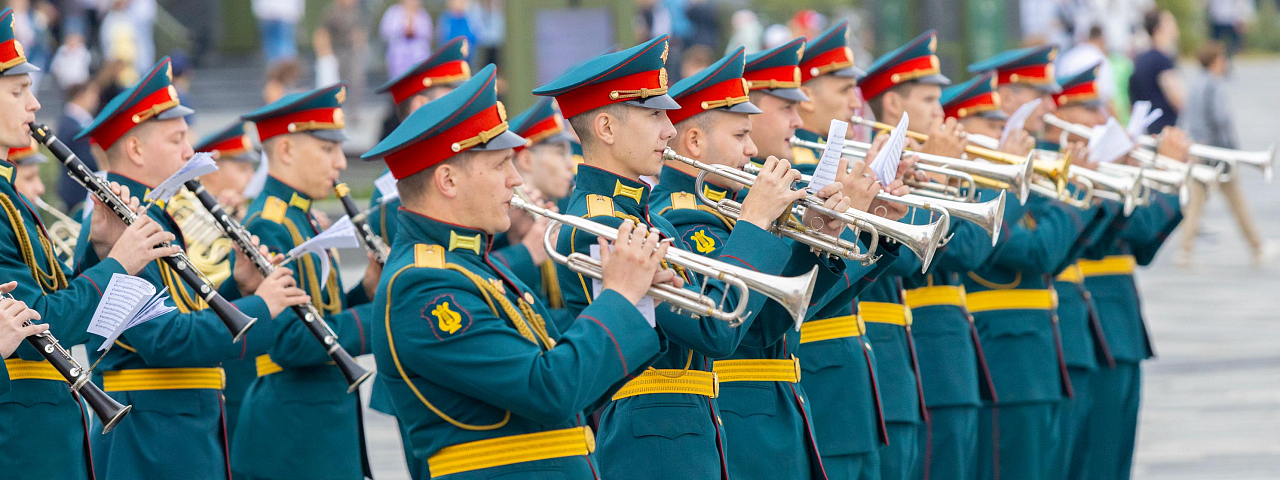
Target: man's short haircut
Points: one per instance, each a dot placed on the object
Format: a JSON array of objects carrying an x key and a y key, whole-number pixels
[
  {"x": 413, "y": 188},
  {"x": 704, "y": 121},
  {"x": 877, "y": 103},
  {"x": 117, "y": 149},
  {"x": 1095, "y": 32},
  {"x": 1210, "y": 53},
  {"x": 404, "y": 108},
  {"x": 581, "y": 122}
]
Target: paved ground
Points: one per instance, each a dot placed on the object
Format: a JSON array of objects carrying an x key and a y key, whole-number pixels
[{"x": 1211, "y": 406}]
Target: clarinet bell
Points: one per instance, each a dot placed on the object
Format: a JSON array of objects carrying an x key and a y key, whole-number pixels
[
  {"x": 351, "y": 371},
  {"x": 108, "y": 410}
]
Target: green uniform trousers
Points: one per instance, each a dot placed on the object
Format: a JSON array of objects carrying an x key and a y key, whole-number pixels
[
  {"x": 1075, "y": 414},
  {"x": 951, "y": 443},
  {"x": 855, "y": 466},
  {"x": 902, "y": 458},
  {"x": 1114, "y": 422},
  {"x": 1026, "y": 433}
]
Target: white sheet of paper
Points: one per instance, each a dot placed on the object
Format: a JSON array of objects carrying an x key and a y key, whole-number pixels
[
  {"x": 1109, "y": 142},
  {"x": 1142, "y": 117},
  {"x": 128, "y": 301},
  {"x": 646, "y": 305},
  {"x": 342, "y": 234},
  {"x": 825, "y": 172},
  {"x": 386, "y": 185},
  {"x": 1019, "y": 119},
  {"x": 199, "y": 164},
  {"x": 259, "y": 179},
  {"x": 885, "y": 165}
]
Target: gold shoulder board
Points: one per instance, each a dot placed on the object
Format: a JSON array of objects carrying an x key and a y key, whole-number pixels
[
  {"x": 274, "y": 209},
  {"x": 599, "y": 205},
  {"x": 428, "y": 256}
]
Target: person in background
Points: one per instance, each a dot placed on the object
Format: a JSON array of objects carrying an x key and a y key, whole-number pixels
[
  {"x": 491, "y": 30},
  {"x": 277, "y": 21},
  {"x": 127, "y": 35},
  {"x": 26, "y": 177},
  {"x": 1227, "y": 22},
  {"x": 455, "y": 21},
  {"x": 696, "y": 58},
  {"x": 1209, "y": 121},
  {"x": 406, "y": 29},
  {"x": 1155, "y": 75},
  {"x": 70, "y": 65},
  {"x": 182, "y": 73},
  {"x": 1093, "y": 51},
  {"x": 77, "y": 113},
  {"x": 344, "y": 32}
]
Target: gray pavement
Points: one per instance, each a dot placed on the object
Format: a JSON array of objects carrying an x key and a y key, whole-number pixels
[{"x": 1211, "y": 400}]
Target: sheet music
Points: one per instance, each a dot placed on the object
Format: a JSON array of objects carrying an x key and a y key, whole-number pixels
[
  {"x": 199, "y": 164},
  {"x": 386, "y": 185},
  {"x": 342, "y": 234},
  {"x": 127, "y": 302},
  {"x": 1109, "y": 142},
  {"x": 885, "y": 165},
  {"x": 646, "y": 304},
  {"x": 825, "y": 172},
  {"x": 1018, "y": 120}
]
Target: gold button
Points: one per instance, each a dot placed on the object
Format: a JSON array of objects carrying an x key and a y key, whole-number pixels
[{"x": 528, "y": 297}]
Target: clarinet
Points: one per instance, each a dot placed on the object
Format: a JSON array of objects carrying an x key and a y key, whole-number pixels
[
  {"x": 236, "y": 321},
  {"x": 108, "y": 410},
  {"x": 352, "y": 371},
  {"x": 373, "y": 243}
]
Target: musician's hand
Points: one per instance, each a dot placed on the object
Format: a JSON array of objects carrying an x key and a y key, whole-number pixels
[
  {"x": 667, "y": 276},
  {"x": 280, "y": 291},
  {"x": 13, "y": 315},
  {"x": 860, "y": 185},
  {"x": 372, "y": 274},
  {"x": 1078, "y": 152},
  {"x": 771, "y": 195},
  {"x": 907, "y": 172},
  {"x": 105, "y": 226},
  {"x": 945, "y": 138},
  {"x": 246, "y": 274},
  {"x": 142, "y": 243},
  {"x": 1019, "y": 143},
  {"x": 635, "y": 260},
  {"x": 833, "y": 200},
  {"x": 1175, "y": 144},
  {"x": 534, "y": 232}
]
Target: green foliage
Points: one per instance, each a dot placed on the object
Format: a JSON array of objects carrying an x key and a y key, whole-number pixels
[
  {"x": 1264, "y": 34},
  {"x": 1191, "y": 23}
]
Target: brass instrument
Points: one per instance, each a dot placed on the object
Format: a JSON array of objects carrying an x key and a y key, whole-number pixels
[
  {"x": 1125, "y": 187},
  {"x": 108, "y": 410},
  {"x": 1016, "y": 178},
  {"x": 793, "y": 293},
  {"x": 1262, "y": 159},
  {"x": 923, "y": 240},
  {"x": 206, "y": 246},
  {"x": 63, "y": 232},
  {"x": 819, "y": 242},
  {"x": 1150, "y": 158}
]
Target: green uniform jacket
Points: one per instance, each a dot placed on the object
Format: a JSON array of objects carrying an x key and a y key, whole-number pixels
[
  {"x": 304, "y": 408},
  {"x": 1084, "y": 345},
  {"x": 1022, "y": 346},
  {"x": 1119, "y": 305},
  {"x": 656, "y": 435},
  {"x": 193, "y": 443},
  {"x": 384, "y": 224},
  {"x": 458, "y": 371},
  {"x": 951, "y": 365},
  {"x": 44, "y": 426}
]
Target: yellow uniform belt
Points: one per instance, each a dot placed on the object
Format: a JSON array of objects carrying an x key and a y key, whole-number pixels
[
  {"x": 694, "y": 382},
  {"x": 883, "y": 312},
  {"x": 20, "y": 369},
  {"x": 758, "y": 370},
  {"x": 1112, "y": 265},
  {"x": 829, "y": 328},
  {"x": 163, "y": 379},
  {"x": 266, "y": 366},
  {"x": 1010, "y": 300},
  {"x": 496, "y": 452},
  {"x": 1071, "y": 274},
  {"x": 934, "y": 296}
]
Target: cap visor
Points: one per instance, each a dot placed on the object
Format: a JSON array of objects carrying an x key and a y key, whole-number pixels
[
  {"x": 502, "y": 141},
  {"x": 175, "y": 112},
  {"x": 247, "y": 157},
  {"x": 331, "y": 134},
  {"x": 660, "y": 102},
  {"x": 793, "y": 94},
  {"x": 850, "y": 72},
  {"x": 1050, "y": 88},
  {"x": 935, "y": 79},
  {"x": 744, "y": 107},
  {"x": 558, "y": 137},
  {"x": 22, "y": 68},
  {"x": 996, "y": 114},
  {"x": 32, "y": 160}
]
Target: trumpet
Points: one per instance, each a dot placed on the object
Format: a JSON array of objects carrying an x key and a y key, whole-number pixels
[
  {"x": 793, "y": 293},
  {"x": 922, "y": 240},
  {"x": 108, "y": 410},
  {"x": 1150, "y": 158},
  {"x": 1016, "y": 177},
  {"x": 1126, "y": 187},
  {"x": 787, "y": 227},
  {"x": 63, "y": 232},
  {"x": 971, "y": 149}
]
